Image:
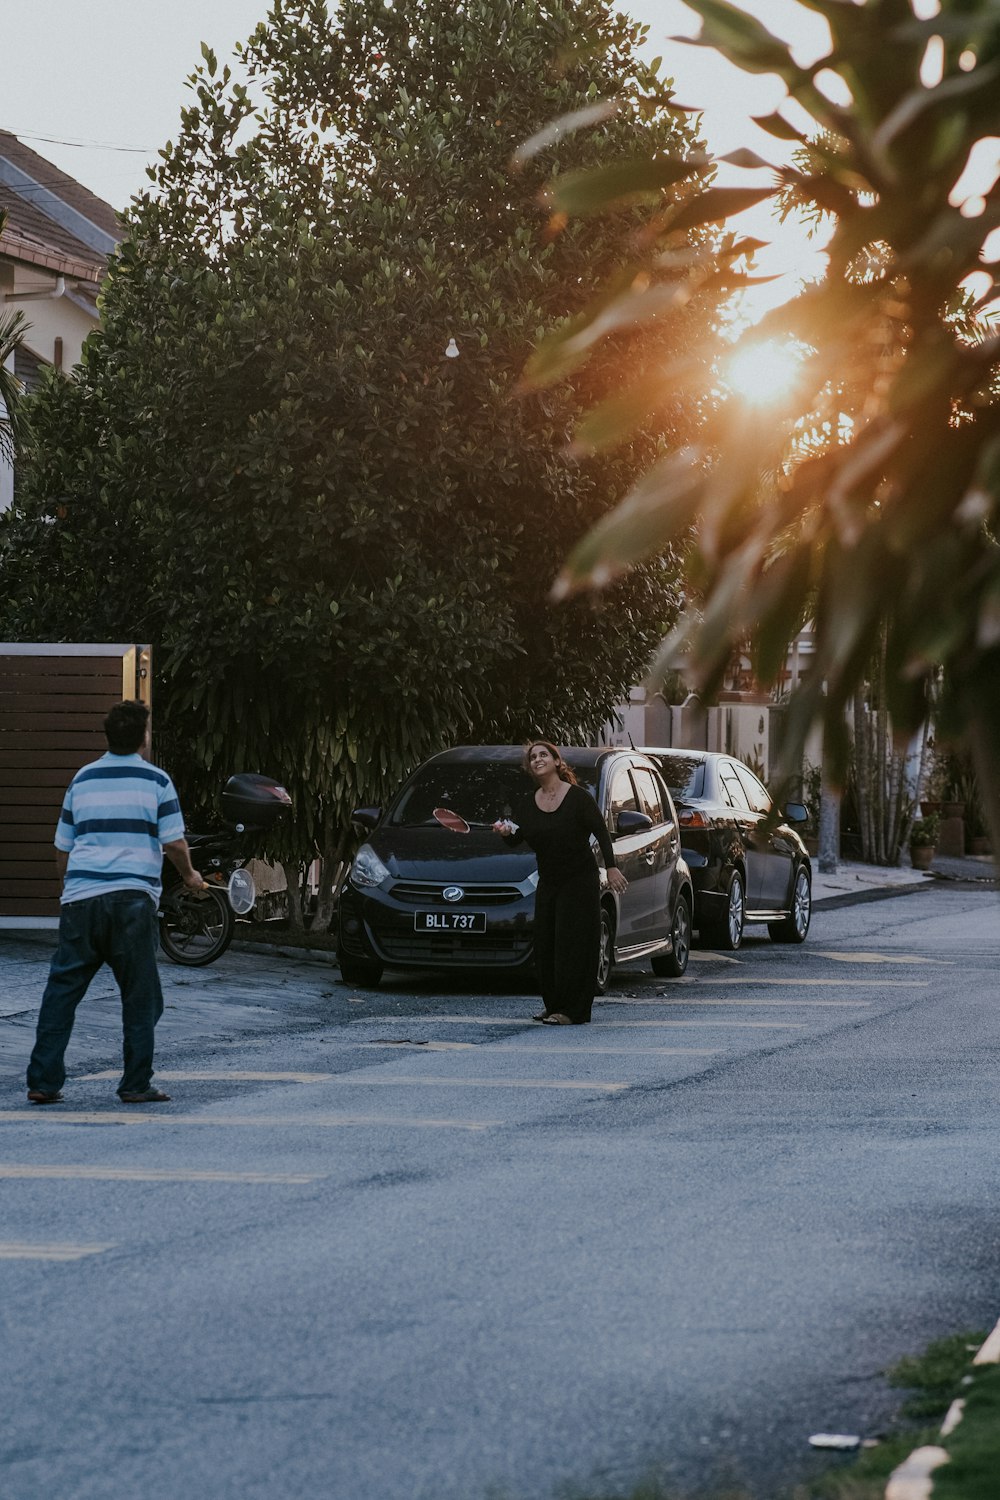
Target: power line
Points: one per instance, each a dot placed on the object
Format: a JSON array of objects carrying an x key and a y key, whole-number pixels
[
  {"x": 54, "y": 140},
  {"x": 30, "y": 190}
]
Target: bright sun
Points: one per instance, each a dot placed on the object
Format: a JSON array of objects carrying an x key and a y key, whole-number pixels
[{"x": 763, "y": 374}]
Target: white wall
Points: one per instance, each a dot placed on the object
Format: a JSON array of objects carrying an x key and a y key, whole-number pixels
[
  {"x": 47, "y": 320},
  {"x": 52, "y": 319}
]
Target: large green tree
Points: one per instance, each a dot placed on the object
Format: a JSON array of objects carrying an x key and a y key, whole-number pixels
[
  {"x": 888, "y": 532},
  {"x": 340, "y": 539}
]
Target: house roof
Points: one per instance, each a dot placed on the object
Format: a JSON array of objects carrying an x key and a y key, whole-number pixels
[
  {"x": 72, "y": 192},
  {"x": 53, "y": 221}
]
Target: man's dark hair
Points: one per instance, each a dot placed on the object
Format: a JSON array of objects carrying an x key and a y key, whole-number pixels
[{"x": 125, "y": 727}]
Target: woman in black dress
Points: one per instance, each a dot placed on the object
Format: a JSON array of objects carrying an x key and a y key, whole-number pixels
[{"x": 558, "y": 824}]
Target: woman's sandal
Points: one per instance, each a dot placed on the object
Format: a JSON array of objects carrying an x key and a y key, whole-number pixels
[
  {"x": 556, "y": 1018},
  {"x": 542, "y": 1015}
]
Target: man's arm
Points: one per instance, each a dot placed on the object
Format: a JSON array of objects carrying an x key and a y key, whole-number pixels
[{"x": 180, "y": 857}]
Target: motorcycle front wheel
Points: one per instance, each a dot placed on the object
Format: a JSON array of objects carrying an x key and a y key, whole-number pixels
[{"x": 196, "y": 928}]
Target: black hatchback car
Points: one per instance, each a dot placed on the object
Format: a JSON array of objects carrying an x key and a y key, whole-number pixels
[
  {"x": 421, "y": 894},
  {"x": 745, "y": 866}
]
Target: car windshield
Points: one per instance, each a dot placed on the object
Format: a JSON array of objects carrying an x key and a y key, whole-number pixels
[
  {"x": 478, "y": 791},
  {"x": 684, "y": 775}
]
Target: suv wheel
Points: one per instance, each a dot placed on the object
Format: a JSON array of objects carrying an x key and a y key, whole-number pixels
[
  {"x": 796, "y": 925},
  {"x": 673, "y": 965},
  {"x": 606, "y": 952},
  {"x": 727, "y": 933}
]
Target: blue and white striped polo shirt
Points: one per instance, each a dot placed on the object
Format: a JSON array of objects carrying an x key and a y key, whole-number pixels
[{"x": 116, "y": 815}]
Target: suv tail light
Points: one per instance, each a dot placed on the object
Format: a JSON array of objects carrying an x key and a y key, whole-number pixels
[{"x": 689, "y": 819}]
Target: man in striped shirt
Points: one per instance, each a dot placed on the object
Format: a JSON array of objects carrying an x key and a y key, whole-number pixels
[{"x": 119, "y": 817}]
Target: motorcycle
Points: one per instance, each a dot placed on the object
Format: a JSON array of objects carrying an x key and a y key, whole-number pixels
[{"x": 196, "y": 927}]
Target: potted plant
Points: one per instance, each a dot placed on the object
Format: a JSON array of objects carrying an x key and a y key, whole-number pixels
[
  {"x": 955, "y": 794},
  {"x": 923, "y": 841},
  {"x": 934, "y": 780},
  {"x": 976, "y": 835}
]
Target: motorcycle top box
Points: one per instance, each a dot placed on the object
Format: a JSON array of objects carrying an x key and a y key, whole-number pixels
[{"x": 254, "y": 801}]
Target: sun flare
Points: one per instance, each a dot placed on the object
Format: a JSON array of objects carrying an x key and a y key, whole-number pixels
[{"x": 763, "y": 374}]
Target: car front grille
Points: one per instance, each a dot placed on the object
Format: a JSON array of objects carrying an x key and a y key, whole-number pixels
[
  {"x": 453, "y": 947},
  {"x": 420, "y": 893}
]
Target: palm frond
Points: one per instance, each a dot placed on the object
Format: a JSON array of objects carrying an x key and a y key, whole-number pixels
[{"x": 12, "y": 329}]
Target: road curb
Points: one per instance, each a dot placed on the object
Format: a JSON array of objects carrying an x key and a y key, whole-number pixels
[
  {"x": 913, "y": 1479},
  {"x": 287, "y": 950},
  {"x": 873, "y": 893}
]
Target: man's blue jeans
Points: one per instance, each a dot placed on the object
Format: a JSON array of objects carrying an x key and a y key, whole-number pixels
[{"x": 119, "y": 930}]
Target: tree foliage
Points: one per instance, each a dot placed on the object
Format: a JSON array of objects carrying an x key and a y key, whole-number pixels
[
  {"x": 340, "y": 541},
  {"x": 892, "y": 526}
]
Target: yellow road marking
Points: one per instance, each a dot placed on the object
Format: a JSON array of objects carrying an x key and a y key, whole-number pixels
[
  {"x": 524, "y": 1021},
  {"x": 881, "y": 958},
  {"x": 698, "y": 957},
  {"x": 421, "y": 1046},
  {"x": 13, "y": 1250},
  {"x": 81, "y": 1117},
  {"x": 75, "y": 1116},
  {"x": 484, "y": 1083},
  {"x": 225, "y": 1076},
  {"x": 689, "y": 1003},
  {"x": 896, "y": 984},
  {"x": 151, "y": 1174},
  {"x": 522, "y": 1051},
  {"x": 584, "y": 1050},
  {"x": 730, "y": 1025}
]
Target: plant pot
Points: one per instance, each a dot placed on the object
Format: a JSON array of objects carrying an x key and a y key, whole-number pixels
[
  {"x": 927, "y": 808},
  {"x": 953, "y": 809},
  {"x": 922, "y": 856},
  {"x": 979, "y": 845}
]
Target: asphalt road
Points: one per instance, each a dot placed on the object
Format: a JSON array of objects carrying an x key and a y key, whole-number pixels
[{"x": 454, "y": 1256}]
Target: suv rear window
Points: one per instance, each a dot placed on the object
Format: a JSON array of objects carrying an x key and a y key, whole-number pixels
[{"x": 684, "y": 775}]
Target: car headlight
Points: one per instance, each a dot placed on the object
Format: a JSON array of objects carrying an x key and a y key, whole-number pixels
[
  {"x": 532, "y": 880},
  {"x": 367, "y": 868}
]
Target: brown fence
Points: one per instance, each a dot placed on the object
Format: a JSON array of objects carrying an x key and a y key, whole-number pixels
[{"x": 53, "y": 699}]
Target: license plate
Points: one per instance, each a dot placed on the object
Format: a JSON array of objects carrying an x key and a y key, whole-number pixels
[{"x": 450, "y": 921}]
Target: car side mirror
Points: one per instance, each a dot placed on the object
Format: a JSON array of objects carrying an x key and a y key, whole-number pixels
[
  {"x": 632, "y": 822},
  {"x": 367, "y": 817},
  {"x": 795, "y": 812}
]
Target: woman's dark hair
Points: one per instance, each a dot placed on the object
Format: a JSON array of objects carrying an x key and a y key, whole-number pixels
[
  {"x": 565, "y": 772},
  {"x": 125, "y": 727}
]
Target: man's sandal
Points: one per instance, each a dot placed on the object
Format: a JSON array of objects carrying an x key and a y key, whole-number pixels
[{"x": 148, "y": 1096}]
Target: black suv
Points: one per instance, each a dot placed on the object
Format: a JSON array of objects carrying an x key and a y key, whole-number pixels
[
  {"x": 421, "y": 895},
  {"x": 748, "y": 864}
]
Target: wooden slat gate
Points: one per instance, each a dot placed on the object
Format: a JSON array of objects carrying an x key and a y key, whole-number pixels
[{"x": 53, "y": 699}]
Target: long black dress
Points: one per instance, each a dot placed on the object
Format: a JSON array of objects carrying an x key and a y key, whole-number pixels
[{"x": 567, "y": 901}]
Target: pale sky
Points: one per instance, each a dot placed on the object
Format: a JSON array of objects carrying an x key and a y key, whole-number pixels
[{"x": 111, "y": 72}]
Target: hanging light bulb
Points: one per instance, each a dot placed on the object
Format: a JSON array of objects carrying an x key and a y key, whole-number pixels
[{"x": 452, "y": 351}]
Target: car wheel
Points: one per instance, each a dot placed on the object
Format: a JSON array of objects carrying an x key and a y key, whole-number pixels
[
  {"x": 362, "y": 971},
  {"x": 794, "y": 927},
  {"x": 727, "y": 933},
  {"x": 673, "y": 965},
  {"x": 606, "y": 952}
]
